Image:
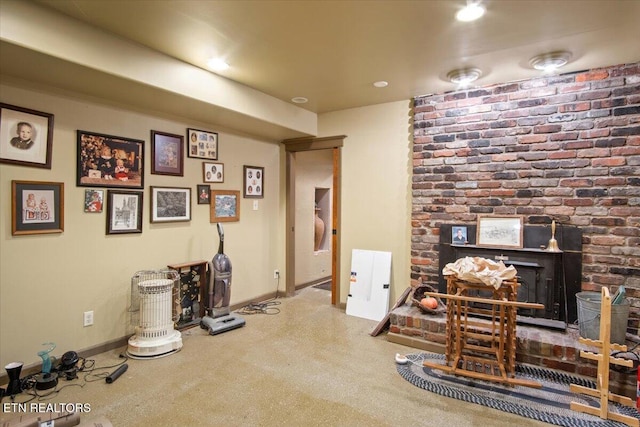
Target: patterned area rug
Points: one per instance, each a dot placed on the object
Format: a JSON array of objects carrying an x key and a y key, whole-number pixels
[{"x": 549, "y": 404}]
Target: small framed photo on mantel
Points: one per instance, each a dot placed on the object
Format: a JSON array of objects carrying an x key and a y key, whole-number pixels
[{"x": 202, "y": 144}]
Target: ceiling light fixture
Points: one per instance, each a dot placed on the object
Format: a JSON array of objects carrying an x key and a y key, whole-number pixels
[
  {"x": 472, "y": 11},
  {"x": 381, "y": 83},
  {"x": 464, "y": 76},
  {"x": 299, "y": 100},
  {"x": 549, "y": 62},
  {"x": 217, "y": 64}
]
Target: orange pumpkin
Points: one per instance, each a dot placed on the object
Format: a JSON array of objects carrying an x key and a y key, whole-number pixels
[{"x": 429, "y": 302}]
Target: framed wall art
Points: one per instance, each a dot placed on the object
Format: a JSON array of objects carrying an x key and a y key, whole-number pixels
[
  {"x": 124, "y": 212},
  {"x": 109, "y": 161},
  {"x": 170, "y": 204},
  {"x": 202, "y": 144},
  {"x": 499, "y": 231},
  {"x": 167, "y": 154},
  {"x": 37, "y": 207},
  {"x": 225, "y": 206},
  {"x": 203, "y": 194},
  {"x": 212, "y": 172},
  {"x": 93, "y": 200},
  {"x": 459, "y": 235},
  {"x": 253, "y": 182},
  {"x": 26, "y": 136}
]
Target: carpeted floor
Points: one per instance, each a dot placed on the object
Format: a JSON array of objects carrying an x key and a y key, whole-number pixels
[{"x": 549, "y": 404}]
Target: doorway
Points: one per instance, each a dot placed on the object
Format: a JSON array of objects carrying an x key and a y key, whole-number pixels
[{"x": 292, "y": 147}]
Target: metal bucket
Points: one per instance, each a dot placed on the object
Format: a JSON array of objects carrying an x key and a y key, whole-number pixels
[{"x": 589, "y": 317}]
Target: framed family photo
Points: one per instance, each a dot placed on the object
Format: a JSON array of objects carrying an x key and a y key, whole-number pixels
[
  {"x": 37, "y": 207},
  {"x": 124, "y": 212},
  {"x": 170, "y": 204},
  {"x": 225, "y": 206},
  {"x": 212, "y": 172},
  {"x": 202, "y": 144},
  {"x": 93, "y": 200},
  {"x": 253, "y": 182},
  {"x": 203, "y": 194},
  {"x": 26, "y": 136},
  {"x": 109, "y": 161},
  {"x": 500, "y": 231},
  {"x": 167, "y": 153}
]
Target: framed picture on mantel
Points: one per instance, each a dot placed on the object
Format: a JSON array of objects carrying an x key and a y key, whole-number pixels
[{"x": 499, "y": 231}]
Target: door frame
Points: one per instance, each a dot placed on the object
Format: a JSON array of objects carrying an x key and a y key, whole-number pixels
[{"x": 293, "y": 146}]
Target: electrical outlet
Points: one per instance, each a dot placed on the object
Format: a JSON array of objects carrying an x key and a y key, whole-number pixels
[
  {"x": 276, "y": 274},
  {"x": 88, "y": 318}
]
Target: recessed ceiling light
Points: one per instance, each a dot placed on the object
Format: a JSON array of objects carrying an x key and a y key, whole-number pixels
[
  {"x": 381, "y": 83},
  {"x": 464, "y": 76},
  {"x": 472, "y": 11},
  {"x": 299, "y": 100},
  {"x": 217, "y": 64},
  {"x": 549, "y": 62}
]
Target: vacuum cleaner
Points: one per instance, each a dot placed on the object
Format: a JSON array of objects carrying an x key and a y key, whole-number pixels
[{"x": 218, "y": 317}]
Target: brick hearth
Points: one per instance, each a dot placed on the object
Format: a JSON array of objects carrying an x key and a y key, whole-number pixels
[{"x": 536, "y": 346}]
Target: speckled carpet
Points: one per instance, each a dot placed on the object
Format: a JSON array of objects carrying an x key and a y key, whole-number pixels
[{"x": 549, "y": 404}]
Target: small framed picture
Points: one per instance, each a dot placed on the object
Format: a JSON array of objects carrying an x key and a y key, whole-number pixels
[
  {"x": 109, "y": 161},
  {"x": 202, "y": 144},
  {"x": 500, "y": 231},
  {"x": 26, "y": 136},
  {"x": 124, "y": 212},
  {"x": 212, "y": 172},
  {"x": 170, "y": 204},
  {"x": 93, "y": 200},
  {"x": 37, "y": 207},
  {"x": 459, "y": 235},
  {"x": 225, "y": 206},
  {"x": 203, "y": 194},
  {"x": 167, "y": 154},
  {"x": 254, "y": 182}
]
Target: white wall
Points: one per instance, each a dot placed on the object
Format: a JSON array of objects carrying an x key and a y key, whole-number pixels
[
  {"x": 48, "y": 281},
  {"x": 314, "y": 169},
  {"x": 376, "y": 188}
]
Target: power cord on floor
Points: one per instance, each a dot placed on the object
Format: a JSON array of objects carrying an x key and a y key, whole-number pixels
[{"x": 266, "y": 307}]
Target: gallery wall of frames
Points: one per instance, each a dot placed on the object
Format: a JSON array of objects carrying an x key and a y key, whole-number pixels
[{"x": 112, "y": 170}]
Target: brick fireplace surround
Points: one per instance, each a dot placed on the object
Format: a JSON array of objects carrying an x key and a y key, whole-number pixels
[{"x": 563, "y": 148}]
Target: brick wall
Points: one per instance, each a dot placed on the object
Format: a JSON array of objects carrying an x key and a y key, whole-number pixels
[{"x": 562, "y": 147}]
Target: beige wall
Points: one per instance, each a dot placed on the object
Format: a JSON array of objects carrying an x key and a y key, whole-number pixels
[
  {"x": 376, "y": 198},
  {"x": 48, "y": 281}
]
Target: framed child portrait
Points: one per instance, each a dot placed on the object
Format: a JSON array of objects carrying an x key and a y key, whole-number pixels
[
  {"x": 93, "y": 201},
  {"x": 109, "y": 161},
  {"x": 167, "y": 152},
  {"x": 26, "y": 136},
  {"x": 37, "y": 207}
]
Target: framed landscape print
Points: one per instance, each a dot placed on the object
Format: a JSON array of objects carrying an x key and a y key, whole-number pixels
[
  {"x": 202, "y": 144},
  {"x": 167, "y": 154},
  {"x": 253, "y": 182},
  {"x": 26, "y": 136},
  {"x": 212, "y": 172},
  {"x": 500, "y": 231},
  {"x": 170, "y": 204},
  {"x": 37, "y": 207},
  {"x": 124, "y": 212},
  {"x": 225, "y": 206},
  {"x": 109, "y": 161}
]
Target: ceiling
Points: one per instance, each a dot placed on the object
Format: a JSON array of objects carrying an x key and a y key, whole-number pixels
[{"x": 332, "y": 52}]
